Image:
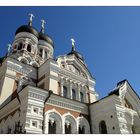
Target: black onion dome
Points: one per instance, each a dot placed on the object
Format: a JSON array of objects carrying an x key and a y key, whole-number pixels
[
  {"x": 27, "y": 28},
  {"x": 46, "y": 38},
  {"x": 77, "y": 54}
]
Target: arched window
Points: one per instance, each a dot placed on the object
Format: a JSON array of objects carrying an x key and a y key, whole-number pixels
[
  {"x": 84, "y": 127},
  {"x": 20, "y": 46},
  {"x": 40, "y": 52},
  {"x": 53, "y": 123},
  {"x": 63, "y": 64},
  {"x": 67, "y": 128},
  {"x": 35, "y": 64},
  {"x": 73, "y": 94},
  {"x": 46, "y": 54},
  {"x": 82, "y": 130},
  {"x": 15, "y": 47},
  {"x": 52, "y": 127},
  {"x": 70, "y": 125},
  {"x": 29, "y": 48},
  {"x": 23, "y": 60},
  {"x": 102, "y": 127},
  {"x": 65, "y": 91},
  {"x": 81, "y": 97}
]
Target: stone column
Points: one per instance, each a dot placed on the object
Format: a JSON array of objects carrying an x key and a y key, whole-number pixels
[
  {"x": 86, "y": 94},
  {"x": 61, "y": 87},
  {"x": 35, "y": 51},
  {"x": 70, "y": 90},
  {"x": 46, "y": 131},
  {"x": 26, "y": 44},
  {"x": 63, "y": 126},
  {"x": 43, "y": 54},
  {"x": 78, "y": 92}
]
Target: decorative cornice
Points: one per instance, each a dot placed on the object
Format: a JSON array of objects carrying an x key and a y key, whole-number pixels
[
  {"x": 67, "y": 105},
  {"x": 27, "y": 35},
  {"x": 17, "y": 68}
]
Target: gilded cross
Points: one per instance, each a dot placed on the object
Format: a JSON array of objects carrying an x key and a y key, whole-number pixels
[
  {"x": 31, "y": 18},
  {"x": 43, "y": 22},
  {"x": 73, "y": 44}
]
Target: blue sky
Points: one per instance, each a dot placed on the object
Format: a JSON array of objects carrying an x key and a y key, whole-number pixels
[{"x": 107, "y": 37}]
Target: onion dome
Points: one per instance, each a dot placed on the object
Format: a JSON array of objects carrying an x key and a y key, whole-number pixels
[
  {"x": 46, "y": 38},
  {"x": 27, "y": 28},
  {"x": 43, "y": 36}
]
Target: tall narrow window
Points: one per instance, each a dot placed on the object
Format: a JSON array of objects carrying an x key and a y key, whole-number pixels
[
  {"x": 67, "y": 128},
  {"x": 15, "y": 47},
  {"x": 29, "y": 48},
  {"x": 46, "y": 54},
  {"x": 41, "y": 51},
  {"x": 19, "y": 46},
  {"x": 102, "y": 127},
  {"x": 64, "y": 91},
  {"x": 52, "y": 127},
  {"x": 81, "y": 97},
  {"x": 81, "y": 130},
  {"x": 73, "y": 94}
]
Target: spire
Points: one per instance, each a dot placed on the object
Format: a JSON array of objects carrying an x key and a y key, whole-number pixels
[
  {"x": 73, "y": 44},
  {"x": 30, "y": 19},
  {"x": 43, "y": 26}
]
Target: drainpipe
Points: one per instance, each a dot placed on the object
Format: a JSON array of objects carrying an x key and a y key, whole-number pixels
[
  {"x": 37, "y": 76},
  {"x": 43, "y": 126},
  {"x": 21, "y": 129}
]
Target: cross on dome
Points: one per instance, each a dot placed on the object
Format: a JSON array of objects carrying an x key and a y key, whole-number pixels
[
  {"x": 73, "y": 44},
  {"x": 43, "y": 22},
  {"x": 31, "y": 18}
]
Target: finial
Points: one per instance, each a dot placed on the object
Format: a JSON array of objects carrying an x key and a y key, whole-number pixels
[
  {"x": 31, "y": 18},
  {"x": 43, "y": 22},
  {"x": 73, "y": 44}
]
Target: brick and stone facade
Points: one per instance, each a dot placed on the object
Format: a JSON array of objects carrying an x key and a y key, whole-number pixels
[{"x": 40, "y": 94}]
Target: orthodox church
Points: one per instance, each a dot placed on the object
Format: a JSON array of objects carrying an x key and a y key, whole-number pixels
[{"x": 40, "y": 94}]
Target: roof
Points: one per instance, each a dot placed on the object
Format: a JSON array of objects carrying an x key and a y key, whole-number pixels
[
  {"x": 27, "y": 28},
  {"x": 34, "y": 31},
  {"x": 116, "y": 90},
  {"x": 77, "y": 54},
  {"x": 46, "y": 38}
]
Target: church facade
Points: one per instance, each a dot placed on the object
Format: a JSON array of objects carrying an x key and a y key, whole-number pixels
[{"x": 40, "y": 94}]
